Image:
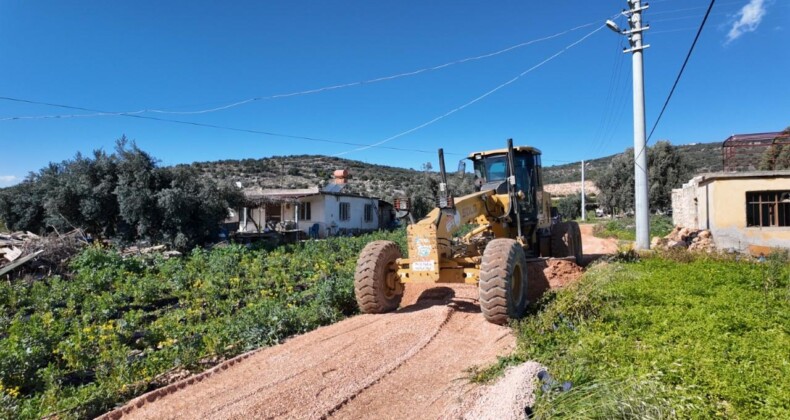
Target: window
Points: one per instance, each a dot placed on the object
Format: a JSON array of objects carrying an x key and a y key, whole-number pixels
[
  {"x": 767, "y": 208},
  {"x": 368, "y": 212},
  {"x": 345, "y": 211},
  {"x": 304, "y": 211}
]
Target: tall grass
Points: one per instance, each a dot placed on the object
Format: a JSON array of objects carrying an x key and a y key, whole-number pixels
[
  {"x": 659, "y": 338},
  {"x": 625, "y": 228}
]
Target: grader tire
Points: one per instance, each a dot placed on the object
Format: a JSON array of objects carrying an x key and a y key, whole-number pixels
[
  {"x": 578, "y": 250},
  {"x": 375, "y": 280},
  {"x": 566, "y": 241},
  {"x": 503, "y": 281}
]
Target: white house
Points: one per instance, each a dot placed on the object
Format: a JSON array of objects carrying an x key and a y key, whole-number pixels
[{"x": 316, "y": 213}]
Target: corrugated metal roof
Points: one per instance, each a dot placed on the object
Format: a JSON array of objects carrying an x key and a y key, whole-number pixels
[{"x": 260, "y": 195}]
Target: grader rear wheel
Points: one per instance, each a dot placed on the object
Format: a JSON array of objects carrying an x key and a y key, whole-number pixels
[
  {"x": 566, "y": 241},
  {"x": 376, "y": 283},
  {"x": 578, "y": 250},
  {"x": 503, "y": 281}
]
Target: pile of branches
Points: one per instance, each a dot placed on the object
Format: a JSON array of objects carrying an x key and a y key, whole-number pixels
[{"x": 24, "y": 254}]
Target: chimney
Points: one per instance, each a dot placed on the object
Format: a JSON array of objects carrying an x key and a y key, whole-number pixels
[{"x": 341, "y": 176}]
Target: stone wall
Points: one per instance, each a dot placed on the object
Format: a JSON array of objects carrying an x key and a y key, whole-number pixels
[{"x": 685, "y": 204}]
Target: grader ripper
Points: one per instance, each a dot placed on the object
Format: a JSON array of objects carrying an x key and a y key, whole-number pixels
[{"x": 513, "y": 219}]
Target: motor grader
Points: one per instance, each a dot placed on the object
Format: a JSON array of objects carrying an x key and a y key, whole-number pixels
[{"x": 511, "y": 218}]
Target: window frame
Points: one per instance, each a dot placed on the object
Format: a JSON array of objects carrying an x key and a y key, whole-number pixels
[
  {"x": 767, "y": 209},
  {"x": 344, "y": 215},
  {"x": 368, "y": 213},
  {"x": 305, "y": 211}
]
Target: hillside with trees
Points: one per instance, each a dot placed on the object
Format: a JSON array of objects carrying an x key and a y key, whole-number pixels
[
  {"x": 127, "y": 195},
  {"x": 302, "y": 171},
  {"x": 702, "y": 157}
]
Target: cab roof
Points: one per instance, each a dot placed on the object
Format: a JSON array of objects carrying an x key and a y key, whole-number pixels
[{"x": 494, "y": 152}]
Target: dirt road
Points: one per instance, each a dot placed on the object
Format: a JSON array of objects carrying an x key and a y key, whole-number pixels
[
  {"x": 409, "y": 364},
  {"x": 596, "y": 247}
]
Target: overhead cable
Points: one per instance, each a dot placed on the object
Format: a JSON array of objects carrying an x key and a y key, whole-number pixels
[
  {"x": 683, "y": 67},
  {"x": 221, "y": 127},
  {"x": 477, "y": 99},
  {"x": 309, "y": 91}
]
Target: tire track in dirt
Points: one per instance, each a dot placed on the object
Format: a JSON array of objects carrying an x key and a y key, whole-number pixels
[
  {"x": 436, "y": 378},
  {"x": 307, "y": 377}
]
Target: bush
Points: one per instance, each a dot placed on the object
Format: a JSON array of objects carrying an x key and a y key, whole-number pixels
[
  {"x": 570, "y": 207},
  {"x": 123, "y": 194}
]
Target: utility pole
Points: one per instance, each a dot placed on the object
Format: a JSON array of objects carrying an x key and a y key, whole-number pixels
[
  {"x": 584, "y": 210},
  {"x": 641, "y": 206}
]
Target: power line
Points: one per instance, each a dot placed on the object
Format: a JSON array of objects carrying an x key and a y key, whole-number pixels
[
  {"x": 220, "y": 127},
  {"x": 310, "y": 91},
  {"x": 361, "y": 146},
  {"x": 614, "y": 98},
  {"x": 477, "y": 99},
  {"x": 682, "y": 68}
]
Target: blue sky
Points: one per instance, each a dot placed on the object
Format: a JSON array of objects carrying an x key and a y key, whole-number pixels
[{"x": 196, "y": 55}]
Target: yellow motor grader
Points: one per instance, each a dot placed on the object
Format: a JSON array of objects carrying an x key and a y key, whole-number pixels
[{"x": 511, "y": 218}]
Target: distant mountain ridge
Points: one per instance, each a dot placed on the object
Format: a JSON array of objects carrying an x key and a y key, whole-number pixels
[{"x": 303, "y": 171}]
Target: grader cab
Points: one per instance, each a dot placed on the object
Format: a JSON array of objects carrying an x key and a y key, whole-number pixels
[{"x": 511, "y": 218}]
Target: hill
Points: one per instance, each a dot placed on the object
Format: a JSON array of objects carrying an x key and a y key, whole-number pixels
[
  {"x": 302, "y": 171},
  {"x": 703, "y": 157}
]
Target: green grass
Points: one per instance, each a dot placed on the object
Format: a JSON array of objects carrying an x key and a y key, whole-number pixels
[
  {"x": 688, "y": 337},
  {"x": 78, "y": 346},
  {"x": 624, "y": 229}
]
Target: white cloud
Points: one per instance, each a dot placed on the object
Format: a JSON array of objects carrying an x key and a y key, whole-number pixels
[
  {"x": 8, "y": 180},
  {"x": 747, "y": 19}
]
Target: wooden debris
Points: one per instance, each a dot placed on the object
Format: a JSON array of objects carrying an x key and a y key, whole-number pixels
[
  {"x": 45, "y": 255},
  {"x": 9, "y": 267},
  {"x": 12, "y": 253}
]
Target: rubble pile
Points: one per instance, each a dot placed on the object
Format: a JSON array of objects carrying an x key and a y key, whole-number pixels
[
  {"x": 688, "y": 238},
  {"x": 156, "y": 249},
  {"x": 24, "y": 253},
  {"x": 11, "y": 245}
]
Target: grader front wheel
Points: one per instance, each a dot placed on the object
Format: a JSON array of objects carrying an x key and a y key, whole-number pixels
[
  {"x": 503, "y": 281},
  {"x": 376, "y": 284}
]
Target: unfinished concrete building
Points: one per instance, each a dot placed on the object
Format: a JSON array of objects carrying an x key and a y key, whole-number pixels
[{"x": 745, "y": 211}]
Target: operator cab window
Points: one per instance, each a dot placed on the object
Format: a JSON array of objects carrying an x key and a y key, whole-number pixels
[
  {"x": 493, "y": 169},
  {"x": 496, "y": 169}
]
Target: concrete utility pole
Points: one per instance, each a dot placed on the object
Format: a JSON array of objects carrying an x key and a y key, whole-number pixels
[
  {"x": 642, "y": 208},
  {"x": 584, "y": 211}
]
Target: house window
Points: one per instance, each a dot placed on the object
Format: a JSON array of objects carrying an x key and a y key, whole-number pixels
[
  {"x": 345, "y": 211},
  {"x": 304, "y": 211},
  {"x": 767, "y": 208},
  {"x": 368, "y": 212}
]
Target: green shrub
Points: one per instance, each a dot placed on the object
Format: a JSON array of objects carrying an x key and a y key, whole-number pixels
[{"x": 78, "y": 346}]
